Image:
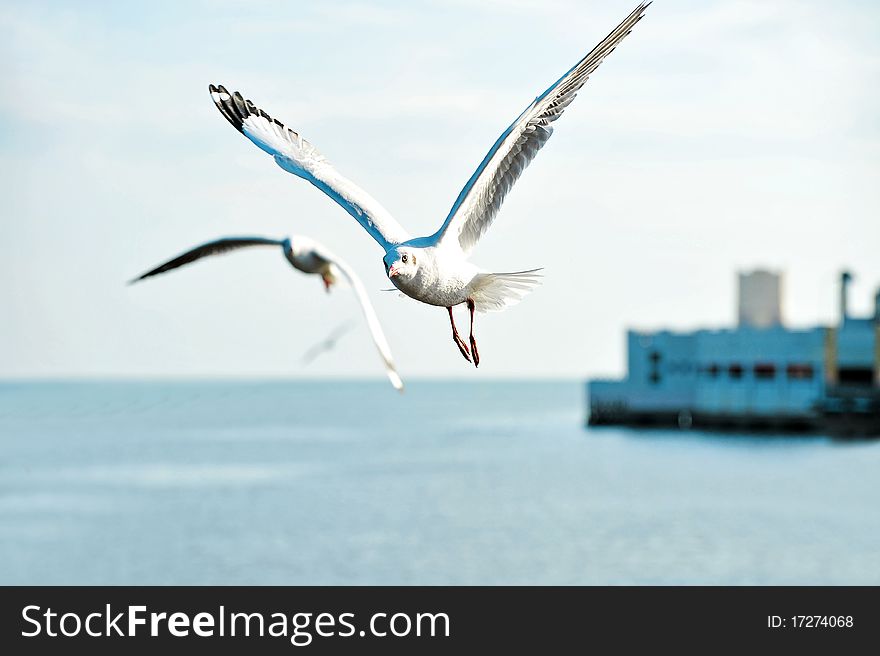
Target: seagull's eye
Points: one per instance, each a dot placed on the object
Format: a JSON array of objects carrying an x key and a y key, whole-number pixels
[{"x": 403, "y": 259}]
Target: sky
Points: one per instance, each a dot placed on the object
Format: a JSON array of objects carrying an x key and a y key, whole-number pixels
[{"x": 720, "y": 136}]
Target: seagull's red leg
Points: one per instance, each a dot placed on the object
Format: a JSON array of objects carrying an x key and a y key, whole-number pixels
[
  {"x": 470, "y": 307},
  {"x": 459, "y": 342}
]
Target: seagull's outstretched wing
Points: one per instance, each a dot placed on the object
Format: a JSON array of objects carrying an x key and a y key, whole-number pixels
[
  {"x": 370, "y": 315},
  {"x": 296, "y": 155},
  {"x": 216, "y": 247},
  {"x": 482, "y": 196}
]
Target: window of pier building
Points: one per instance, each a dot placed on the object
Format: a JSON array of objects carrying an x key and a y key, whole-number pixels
[
  {"x": 796, "y": 371},
  {"x": 765, "y": 371}
]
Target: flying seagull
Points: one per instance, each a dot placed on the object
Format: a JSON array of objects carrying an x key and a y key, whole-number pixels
[
  {"x": 305, "y": 255},
  {"x": 328, "y": 343},
  {"x": 435, "y": 269}
]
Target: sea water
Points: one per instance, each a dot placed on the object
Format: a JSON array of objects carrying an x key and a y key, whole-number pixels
[{"x": 450, "y": 483}]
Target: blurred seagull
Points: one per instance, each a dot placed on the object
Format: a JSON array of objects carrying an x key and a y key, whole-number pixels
[
  {"x": 328, "y": 343},
  {"x": 305, "y": 255},
  {"x": 434, "y": 269}
]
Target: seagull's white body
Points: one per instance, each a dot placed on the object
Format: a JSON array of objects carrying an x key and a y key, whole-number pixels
[
  {"x": 308, "y": 256},
  {"x": 434, "y": 269},
  {"x": 441, "y": 279}
]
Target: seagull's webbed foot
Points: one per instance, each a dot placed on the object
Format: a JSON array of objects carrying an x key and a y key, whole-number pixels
[
  {"x": 462, "y": 347},
  {"x": 459, "y": 342},
  {"x": 470, "y": 307},
  {"x": 475, "y": 352}
]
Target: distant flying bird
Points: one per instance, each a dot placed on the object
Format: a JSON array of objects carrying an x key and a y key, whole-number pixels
[
  {"x": 305, "y": 255},
  {"x": 434, "y": 269},
  {"x": 328, "y": 343}
]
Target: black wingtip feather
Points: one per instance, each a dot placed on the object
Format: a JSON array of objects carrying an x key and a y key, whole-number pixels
[
  {"x": 143, "y": 276},
  {"x": 239, "y": 105},
  {"x": 223, "y": 99},
  {"x": 236, "y": 109}
]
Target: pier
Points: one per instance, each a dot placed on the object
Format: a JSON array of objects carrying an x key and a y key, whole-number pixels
[{"x": 757, "y": 376}]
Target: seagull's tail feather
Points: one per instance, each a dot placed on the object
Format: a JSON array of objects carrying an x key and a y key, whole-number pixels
[{"x": 498, "y": 291}]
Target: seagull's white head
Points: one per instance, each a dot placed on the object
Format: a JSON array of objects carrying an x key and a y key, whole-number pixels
[
  {"x": 401, "y": 263},
  {"x": 330, "y": 276}
]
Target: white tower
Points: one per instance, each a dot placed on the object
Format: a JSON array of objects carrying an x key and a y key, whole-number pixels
[{"x": 760, "y": 295}]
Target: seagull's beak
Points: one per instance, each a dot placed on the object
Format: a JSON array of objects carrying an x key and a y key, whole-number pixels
[{"x": 392, "y": 272}]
